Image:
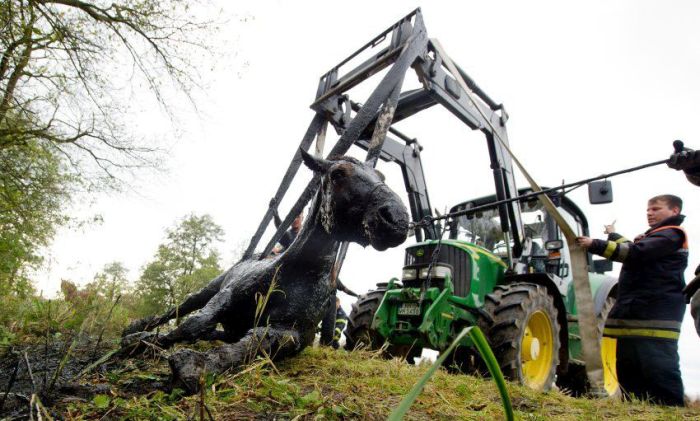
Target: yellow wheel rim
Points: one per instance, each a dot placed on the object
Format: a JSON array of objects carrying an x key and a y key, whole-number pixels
[
  {"x": 536, "y": 352},
  {"x": 608, "y": 348}
]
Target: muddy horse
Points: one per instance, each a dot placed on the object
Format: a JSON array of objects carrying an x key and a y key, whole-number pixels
[{"x": 352, "y": 204}]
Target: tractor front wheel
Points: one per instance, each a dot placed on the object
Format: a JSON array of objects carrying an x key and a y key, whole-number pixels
[
  {"x": 358, "y": 333},
  {"x": 524, "y": 335}
]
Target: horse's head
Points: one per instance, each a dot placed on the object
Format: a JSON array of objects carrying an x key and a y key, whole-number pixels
[{"x": 356, "y": 205}]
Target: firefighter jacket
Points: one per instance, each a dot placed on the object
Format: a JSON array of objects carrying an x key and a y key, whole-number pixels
[{"x": 650, "y": 301}]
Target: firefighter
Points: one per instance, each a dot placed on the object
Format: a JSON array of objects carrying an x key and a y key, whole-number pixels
[
  {"x": 647, "y": 316},
  {"x": 341, "y": 321},
  {"x": 290, "y": 235}
]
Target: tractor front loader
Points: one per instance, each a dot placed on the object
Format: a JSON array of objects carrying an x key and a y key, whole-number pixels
[{"x": 503, "y": 264}]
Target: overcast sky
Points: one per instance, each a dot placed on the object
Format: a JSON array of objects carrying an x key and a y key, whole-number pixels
[{"x": 591, "y": 87}]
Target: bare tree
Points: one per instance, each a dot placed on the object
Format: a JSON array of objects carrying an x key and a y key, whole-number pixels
[{"x": 67, "y": 66}]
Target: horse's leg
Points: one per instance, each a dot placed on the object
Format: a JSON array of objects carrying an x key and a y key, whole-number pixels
[
  {"x": 197, "y": 326},
  {"x": 193, "y": 302},
  {"x": 188, "y": 366}
]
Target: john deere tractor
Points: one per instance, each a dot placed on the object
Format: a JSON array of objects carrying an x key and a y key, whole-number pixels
[{"x": 527, "y": 310}]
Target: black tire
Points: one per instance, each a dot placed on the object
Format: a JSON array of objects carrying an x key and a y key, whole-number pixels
[
  {"x": 524, "y": 314},
  {"x": 358, "y": 333},
  {"x": 575, "y": 380}
]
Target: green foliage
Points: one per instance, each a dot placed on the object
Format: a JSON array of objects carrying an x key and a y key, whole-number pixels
[
  {"x": 101, "y": 401},
  {"x": 65, "y": 67},
  {"x": 34, "y": 190},
  {"x": 64, "y": 117},
  {"x": 99, "y": 310},
  {"x": 182, "y": 265},
  {"x": 111, "y": 282}
]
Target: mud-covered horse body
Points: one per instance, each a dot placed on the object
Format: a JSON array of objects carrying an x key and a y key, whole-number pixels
[{"x": 353, "y": 204}]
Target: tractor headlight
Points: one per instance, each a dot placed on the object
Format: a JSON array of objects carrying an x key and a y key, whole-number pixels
[
  {"x": 408, "y": 274},
  {"x": 435, "y": 272}
]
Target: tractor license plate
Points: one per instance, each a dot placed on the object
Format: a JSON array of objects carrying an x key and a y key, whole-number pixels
[{"x": 409, "y": 309}]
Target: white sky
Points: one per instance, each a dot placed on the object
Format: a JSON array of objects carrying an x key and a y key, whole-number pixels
[{"x": 591, "y": 87}]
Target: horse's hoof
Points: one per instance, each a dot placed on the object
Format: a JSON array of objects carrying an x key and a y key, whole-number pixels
[
  {"x": 139, "y": 325},
  {"x": 137, "y": 343},
  {"x": 187, "y": 367}
]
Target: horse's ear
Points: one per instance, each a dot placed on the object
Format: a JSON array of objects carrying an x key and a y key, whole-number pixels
[
  {"x": 315, "y": 164},
  {"x": 381, "y": 175}
]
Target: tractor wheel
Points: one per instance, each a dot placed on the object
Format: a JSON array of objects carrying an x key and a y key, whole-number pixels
[
  {"x": 575, "y": 381},
  {"x": 358, "y": 333},
  {"x": 525, "y": 333}
]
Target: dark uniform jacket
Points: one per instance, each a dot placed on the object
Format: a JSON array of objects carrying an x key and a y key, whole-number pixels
[{"x": 650, "y": 300}]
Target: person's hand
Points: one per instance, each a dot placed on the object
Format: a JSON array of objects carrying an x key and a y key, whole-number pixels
[
  {"x": 584, "y": 242},
  {"x": 684, "y": 158},
  {"x": 609, "y": 229}
]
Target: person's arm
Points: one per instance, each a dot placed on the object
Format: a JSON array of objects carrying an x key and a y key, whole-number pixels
[
  {"x": 693, "y": 286},
  {"x": 654, "y": 246},
  {"x": 277, "y": 219},
  {"x": 341, "y": 287}
]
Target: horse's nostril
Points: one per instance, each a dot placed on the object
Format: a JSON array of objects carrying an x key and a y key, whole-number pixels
[{"x": 386, "y": 214}]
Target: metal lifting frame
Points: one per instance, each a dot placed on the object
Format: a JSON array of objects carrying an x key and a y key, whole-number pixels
[{"x": 367, "y": 125}]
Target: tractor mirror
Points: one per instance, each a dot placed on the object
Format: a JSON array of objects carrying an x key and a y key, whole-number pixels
[
  {"x": 554, "y": 245},
  {"x": 600, "y": 192},
  {"x": 602, "y": 266}
]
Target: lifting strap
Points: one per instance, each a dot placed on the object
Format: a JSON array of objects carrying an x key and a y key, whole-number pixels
[{"x": 588, "y": 323}]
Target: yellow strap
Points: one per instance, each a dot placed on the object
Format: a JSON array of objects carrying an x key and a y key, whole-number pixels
[
  {"x": 609, "y": 249},
  {"x": 648, "y": 333}
]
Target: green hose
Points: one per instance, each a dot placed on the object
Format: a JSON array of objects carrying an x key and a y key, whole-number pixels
[{"x": 482, "y": 345}]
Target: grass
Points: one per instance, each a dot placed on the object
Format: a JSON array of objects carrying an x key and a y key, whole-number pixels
[{"x": 325, "y": 384}]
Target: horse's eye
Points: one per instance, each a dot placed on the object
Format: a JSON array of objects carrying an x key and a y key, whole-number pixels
[{"x": 337, "y": 175}]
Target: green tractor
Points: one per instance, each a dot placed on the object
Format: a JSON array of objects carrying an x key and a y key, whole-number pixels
[{"x": 526, "y": 308}]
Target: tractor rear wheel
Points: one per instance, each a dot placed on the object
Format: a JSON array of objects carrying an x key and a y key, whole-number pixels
[
  {"x": 524, "y": 335},
  {"x": 575, "y": 381},
  {"x": 358, "y": 333}
]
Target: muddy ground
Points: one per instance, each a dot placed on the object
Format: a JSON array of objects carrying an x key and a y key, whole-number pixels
[{"x": 35, "y": 370}]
